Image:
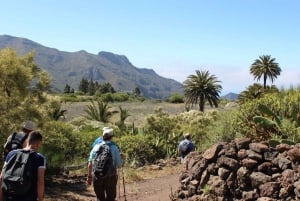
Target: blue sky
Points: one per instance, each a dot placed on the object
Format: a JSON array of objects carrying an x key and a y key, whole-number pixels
[{"x": 173, "y": 37}]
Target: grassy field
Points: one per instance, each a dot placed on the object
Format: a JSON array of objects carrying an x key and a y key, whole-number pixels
[{"x": 139, "y": 111}]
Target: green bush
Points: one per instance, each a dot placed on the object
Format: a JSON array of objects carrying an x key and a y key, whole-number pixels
[
  {"x": 107, "y": 97},
  {"x": 176, "y": 98},
  {"x": 87, "y": 136},
  {"x": 121, "y": 97},
  {"x": 285, "y": 106},
  {"x": 198, "y": 123},
  {"x": 59, "y": 144},
  {"x": 70, "y": 98},
  {"x": 138, "y": 149}
]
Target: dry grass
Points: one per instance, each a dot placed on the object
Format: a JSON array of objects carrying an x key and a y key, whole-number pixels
[{"x": 139, "y": 111}]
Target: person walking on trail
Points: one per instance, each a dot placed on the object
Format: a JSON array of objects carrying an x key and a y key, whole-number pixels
[
  {"x": 185, "y": 146},
  {"x": 103, "y": 162},
  {"x": 36, "y": 169},
  {"x": 16, "y": 140}
]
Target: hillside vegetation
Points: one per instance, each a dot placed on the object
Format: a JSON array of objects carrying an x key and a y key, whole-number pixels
[
  {"x": 70, "y": 67},
  {"x": 145, "y": 130}
]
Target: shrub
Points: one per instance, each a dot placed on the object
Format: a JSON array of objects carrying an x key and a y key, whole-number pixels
[
  {"x": 176, "y": 98},
  {"x": 59, "y": 144},
  {"x": 284, "y": 106},
  {"x": 138, "y": 149}
]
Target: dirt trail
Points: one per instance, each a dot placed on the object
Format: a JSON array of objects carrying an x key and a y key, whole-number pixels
[
  {"x": 75, "y": 189},
  {"x": 157, "y": 189}
]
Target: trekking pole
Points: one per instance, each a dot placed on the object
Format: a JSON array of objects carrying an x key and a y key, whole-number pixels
[
  {"x": 124, "y": 183},
  {"x": 119, "y": 185}
]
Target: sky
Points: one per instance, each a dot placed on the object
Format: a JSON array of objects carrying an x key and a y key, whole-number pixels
[{"x": 173, "y": 37}]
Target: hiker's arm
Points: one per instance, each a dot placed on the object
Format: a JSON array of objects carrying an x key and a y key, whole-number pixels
[
  {"x": 41, "y": 184},
  {"x": 89, "y": 174}
]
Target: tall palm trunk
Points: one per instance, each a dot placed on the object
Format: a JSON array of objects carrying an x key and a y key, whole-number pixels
[
  {"x": 265, "y": 81},
  {"x": 201, "y": 103}
]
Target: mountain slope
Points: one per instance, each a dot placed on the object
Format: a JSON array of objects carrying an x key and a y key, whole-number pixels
[{"x": 71, "y": 67}]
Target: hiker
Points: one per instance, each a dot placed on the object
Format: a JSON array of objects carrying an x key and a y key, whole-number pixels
[
  {"x": 102, "y": 167},
  {"x": 16, "y": 140},
  {"x": 36, "y": 170},
  {"x": 185, "y": 146}
]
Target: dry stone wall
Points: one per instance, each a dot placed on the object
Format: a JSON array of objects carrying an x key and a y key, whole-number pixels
[{"x": 241, "y": 170}]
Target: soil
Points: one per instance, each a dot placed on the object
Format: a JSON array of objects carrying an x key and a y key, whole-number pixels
[{"x": 65, "y": 188}]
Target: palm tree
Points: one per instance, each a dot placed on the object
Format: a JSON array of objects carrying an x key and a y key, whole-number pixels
[
  {"x": 99, "y": 112},
  {"x": 123, "y": 116},
  {"x": 265, "y": 67},
  {"x": 255, "y": 91},
  {"x": 200, "y": 88}
]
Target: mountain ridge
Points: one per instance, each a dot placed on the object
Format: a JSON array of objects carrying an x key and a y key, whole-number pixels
[{"x": 70, "y": 67}]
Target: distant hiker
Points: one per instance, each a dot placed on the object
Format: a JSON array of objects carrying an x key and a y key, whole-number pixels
[
  {"x": 103, "y": 162},
  {"x": 185, "y": 146},
  {"x": 16, "y": 140},
  {"x": 22, "y": 176}
]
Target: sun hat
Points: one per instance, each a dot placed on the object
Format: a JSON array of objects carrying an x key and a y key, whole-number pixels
[
  {"x": 29, "y": 125},
  {"x": 108, "y": 132},
  {"x": 187, "y": 135},
  {"x": 105, "y": 128}
]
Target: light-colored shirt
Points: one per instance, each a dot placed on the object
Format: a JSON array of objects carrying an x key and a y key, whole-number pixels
[{"x": 117, "y": 161}]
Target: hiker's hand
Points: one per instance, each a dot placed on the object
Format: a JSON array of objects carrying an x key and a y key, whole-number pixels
[{"x": 89, "y": 180}]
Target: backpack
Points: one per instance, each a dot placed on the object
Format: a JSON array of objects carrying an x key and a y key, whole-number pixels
[
  {"x": 17, "y": 173},
  {"x": 14, "y": 141},
  {"x": 184, "y": 146},
  {"x": 103, "y": 161}
]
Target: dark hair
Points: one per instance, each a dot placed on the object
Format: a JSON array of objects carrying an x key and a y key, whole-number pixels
[
  {"x": 34, "y": 136},
  {"x": 107, "y": 137}
]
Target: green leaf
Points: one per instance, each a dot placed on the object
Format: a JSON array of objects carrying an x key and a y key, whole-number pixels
[
  {"x": 263, "y": 121},
  {"x": 264, "y": 109}
]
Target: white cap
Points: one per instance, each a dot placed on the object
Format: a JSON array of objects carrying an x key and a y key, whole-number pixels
[
  {"x": 29, "y": 125},
  {"x": 108, "y": 132},
  {"x": 104, "y": 128}
]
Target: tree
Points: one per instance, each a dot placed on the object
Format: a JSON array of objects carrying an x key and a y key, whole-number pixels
[
  {"x": 123, "y": 116},
  {"x": 255, "y": 91},
  {"x": 22, "y": 87},
  {"x": 67, "y": 89},
  {"x": 83, "y": 85},
  {"x": 91, "y": 87},
  {"x": 200, "y": 88},
  {"x": 106, "y": 88},
  {"x": 265, "y": 67},
  {"x": 137, "y": 91},
  {"x": 99, "y": 112}
]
